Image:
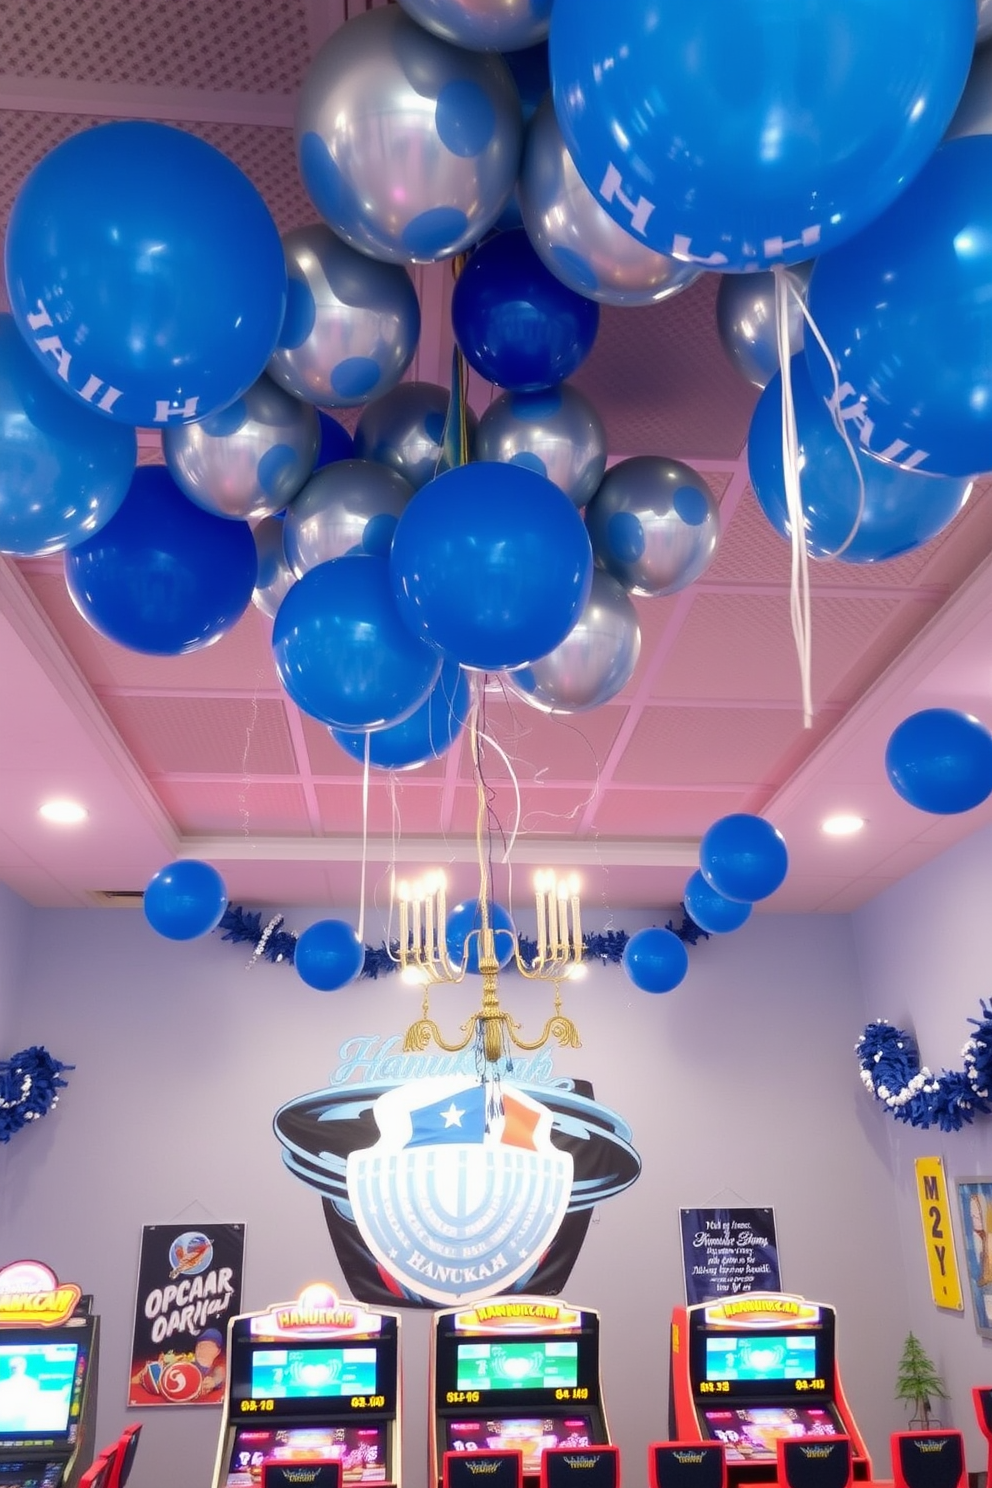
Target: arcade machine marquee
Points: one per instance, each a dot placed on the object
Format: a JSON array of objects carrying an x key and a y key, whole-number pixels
[{"x": 751, "y": 1369}]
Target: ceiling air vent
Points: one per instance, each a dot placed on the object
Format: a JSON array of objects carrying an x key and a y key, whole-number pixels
[{"x": 116, "y": 898}]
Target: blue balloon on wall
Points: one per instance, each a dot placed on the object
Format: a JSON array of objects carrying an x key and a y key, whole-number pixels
[
  {"x": 741, "y": 135},
  {"x": 185, "y": 900},
  {"x": 710, "y": 910},
  {"x": 743, "y": 857},
  {"x": 428, "y": 733},
  {"x": 516, "y": 324},
  {"x": 145, "y": 272},
  {"x": 342, "y": 652},
  {"x": 655, "y": 960},
  {"x": 63, "y": 470},
  {"x": 492, "y": 564},
  {"x": 940, "y": 760},
  {"x": 465, "y": 919},
  {"x": 329, "y": 955},
  {"x": 163, "y": 576}
]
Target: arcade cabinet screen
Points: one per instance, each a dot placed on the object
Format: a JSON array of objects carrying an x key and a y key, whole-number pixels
[
  {"x": 750, "y": 1435},
  {"x": 36, "y": 1387},
  {"x": 775, "y": 1356},
  {"x": 303, "y": 1374},
  {"x": 361, "y": 1450},
  {"x": 527, "y": 1436},
  {"x": 517, "y": 1366}
]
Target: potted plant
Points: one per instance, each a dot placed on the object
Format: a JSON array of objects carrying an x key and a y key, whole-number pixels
[{"x": 919, "y": 1384}]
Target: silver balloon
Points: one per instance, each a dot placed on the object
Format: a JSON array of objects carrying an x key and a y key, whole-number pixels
[
  {"x": 404, "y": 430},
  {"x": 351, "y": 326},
  {"x": 482, "y": 26},
  {"x": 350, "y": 506},
  {"x": 653, "y": 524},
  {"x": 594, "y": 662},
  {"x": 745, "y": 320},
  {"x": 974, "y": 112},
  {"x": 250, "y": 459},
  {"x": 558, "y": 433},
  {"x": 275, "y": 577},
  {"x": 576, "y": 238},
  {"x": 407, "y": 145},
  {"x": 984, "y": 19}
]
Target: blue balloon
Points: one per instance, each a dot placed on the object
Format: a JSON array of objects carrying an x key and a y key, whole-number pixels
[
  {"x": 428, "y": 733},
  {"x": 185, "y": 900},
  {"x": 163, "y": 576},
  {"x": 743, "y": 857},
  {"x": 492, "y": 564},
  {"x": 902, "y": 509},
  {"x": 940, "y": 761},
  {"x": 146, "y": 273},
  {"x": 342, "y": 652},
  {"x": 710, "y": 910},
  {"x": 655, "y": 960},
  {"x": 462, "y": 923},
  {"x": 907, "y": 315},
  {"x": 516, "y": 324},
  {"x": 63, "y": 471},
  {"x": 741, "y": 135},
  {"x": 329, "y": 955},
  {"x": 335, "y": 441}
]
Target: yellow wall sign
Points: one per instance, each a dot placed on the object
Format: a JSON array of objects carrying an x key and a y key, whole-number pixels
[{"x": 938, "y": 1237}]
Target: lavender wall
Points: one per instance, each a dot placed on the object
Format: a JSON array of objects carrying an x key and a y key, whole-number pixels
[
  {"x": 740, "y": 1086},
  {"x": 13, "y": 926},
  {"x": 923, "y": 951}
]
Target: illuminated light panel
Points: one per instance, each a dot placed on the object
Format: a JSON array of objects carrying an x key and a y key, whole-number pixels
[
  {"x": 63, "y": 813},
  {"x": 844, "y": 824}
]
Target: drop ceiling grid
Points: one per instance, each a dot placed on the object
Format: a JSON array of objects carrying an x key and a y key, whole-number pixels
[
  {"x": 236, "y": 737},
  {"x": 661, "y": 812},
  {"x": 699, "y": 748},
  {"x": 256, "y": 807}
]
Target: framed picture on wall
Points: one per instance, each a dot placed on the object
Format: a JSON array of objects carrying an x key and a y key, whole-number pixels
[{"x": 975, "y": 1199}]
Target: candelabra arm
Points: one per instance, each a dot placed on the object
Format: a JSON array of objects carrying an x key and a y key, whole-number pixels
[{"x": 426, "y": 1031}]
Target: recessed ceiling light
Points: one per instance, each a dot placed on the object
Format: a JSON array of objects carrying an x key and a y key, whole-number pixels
[
  {"x": 843, "y": 825},
  {"x": 63, "y": 813}
]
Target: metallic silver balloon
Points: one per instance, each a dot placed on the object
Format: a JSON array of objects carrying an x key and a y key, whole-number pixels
[
  {"x": 407, "y": 145},
  {"x": 984, "y": 20},
  {"x": 974, "y": 112},
  {"x": 653, "y": 524},
  {"x": 482, "y": 26},
  {"x": 558, "y": 433},
  {"x": 275, "y": 577},
  {"x": 745, "y": 320},
  {"x": 576, "y": 238},
  {"x": 351, "y": 506},
  {"x": 404, "y": 430},
  {"x": 351, "y": 326},
  {"x": 594, "y": 662}
]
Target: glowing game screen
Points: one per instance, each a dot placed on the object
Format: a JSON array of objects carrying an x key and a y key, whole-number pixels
[
  {"x": 517, "y": 1366},
  {"x": 750, "y": 1435},
  {"x": 302, "y": 1374},
  {"x": 529, "y": 1436},
  {"x": 360, "y": 1450},
  {"x": 780, "y": 1356},
  {"x": 36, "y": 1387}
]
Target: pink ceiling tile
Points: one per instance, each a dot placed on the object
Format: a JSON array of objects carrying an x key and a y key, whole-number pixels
[
  {"x": 204, "y": 736},
  {"x": 258, "y": 808},
  {"x": 552, "y": 812},
  {"x": 900, "y": 627},
  {"x": 571, "y": 747},
  {"x": 700, "y": 747},
  {"x": 418, "y": 806},
  {"x": 328, "y": 759},
  {"x": 663, "y": 813}
]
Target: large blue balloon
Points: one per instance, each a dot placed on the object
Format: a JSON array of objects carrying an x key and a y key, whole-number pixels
[
  {"x": 655, "y": 960},
  {"x": 743, "y": 857},
  {"x": 342, "y": 652},
  {"x": 163, "y": 576},
  {"x": 329, "y": 955},
  {"x": 516, "y": 324},
  {"x": 760, "y": 131},
  {"x": 63, "y": 471},
  {"x": 185, "y": 900},
  {"x": 902, "y": 509},
  {"x": 146, "y": 272},
  {"x": 462, "y": 925},
  {"x": 940, "y": 760},
  {"x": 428, "y": 733},
  {"x": 710, "y": 910},
  {"x": 906, "y": 312},
  {"x": 492, "y": 564}
]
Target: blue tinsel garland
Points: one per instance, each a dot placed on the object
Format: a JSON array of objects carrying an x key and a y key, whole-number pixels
[
  {"x": 892, "y": 1072},
  {"x": 273, "y": 943},
  {"x": 29, "y": 1088}
]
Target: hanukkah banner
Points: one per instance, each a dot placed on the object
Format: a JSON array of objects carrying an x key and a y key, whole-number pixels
[{"x": 728, "y": 1251}]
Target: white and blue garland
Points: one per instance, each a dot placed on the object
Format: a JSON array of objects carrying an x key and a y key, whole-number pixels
[
  {"x": 29, "y": 1088},
  {"x": 891, "y": 1071}
]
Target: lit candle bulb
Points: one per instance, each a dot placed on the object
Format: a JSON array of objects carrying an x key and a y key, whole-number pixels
[
  {"x": 552, "y": 899},
  {"x": 403, "y": 894},
  {"x": 573, "y": 888},
  {"x": 542, "y": 920}
]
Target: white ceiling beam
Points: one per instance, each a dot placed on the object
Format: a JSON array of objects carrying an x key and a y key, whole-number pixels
[
  {"x": 51, "y": 95},
  {"x": 653, "y": 852}
]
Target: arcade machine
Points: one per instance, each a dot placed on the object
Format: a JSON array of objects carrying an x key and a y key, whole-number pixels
[
  {"x": 48, "y": 1368},
  {"x": 749, "y": 1370},
  {"x": 311, "y": 1381},
  {"x": 514, "y": 1374}
]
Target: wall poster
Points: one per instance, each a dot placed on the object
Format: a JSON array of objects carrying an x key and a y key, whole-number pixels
[
  {"x": 189, "y": 1284},
  {"x": 975, "y": 1199},
  {"x": 727, "y": 1251}
]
